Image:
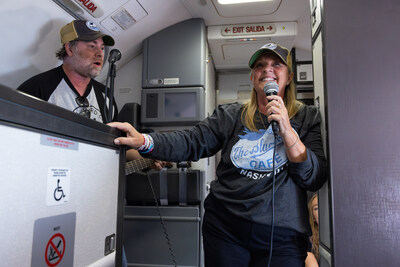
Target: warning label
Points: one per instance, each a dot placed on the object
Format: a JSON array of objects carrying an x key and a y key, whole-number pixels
[
  {"x": 55, "y": 250},
  {"x": 53, "y": 241},
  {"x": 48, "y": 140}
]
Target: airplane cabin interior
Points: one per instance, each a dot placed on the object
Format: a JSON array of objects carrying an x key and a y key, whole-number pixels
[{"x": 70, "y": 197}]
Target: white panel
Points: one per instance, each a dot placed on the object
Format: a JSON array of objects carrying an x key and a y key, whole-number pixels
[
  {"x": 24, "y": 182},
  {"x": 129, "y": 80},
  {"x": 319, "y": 83},
  {"x": 107, "y": 261},
  {"x": 112, "y": 26},
  {"x": 304, "y": 73},
  {"x": 232, "y": 87},
  {"x": 32, "y": 34},
  {"x": 130, "y": 11},
  {"x": 315, "y": 15},
  {"x": 251, "y": 9},
  {"x": 323, "y": 195},
  {"x": 209, "y": 168},
  {"x": 325, "y": 256}
]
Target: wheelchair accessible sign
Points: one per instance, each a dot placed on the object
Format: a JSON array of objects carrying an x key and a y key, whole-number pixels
[{"x": 58, "y": 186}]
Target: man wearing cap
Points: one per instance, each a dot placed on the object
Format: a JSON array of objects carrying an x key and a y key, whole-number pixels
[
  {"x": 72, "y": 85},
  {"x": 262, "y": 179}
]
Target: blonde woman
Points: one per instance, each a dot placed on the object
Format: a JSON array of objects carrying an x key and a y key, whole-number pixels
[
  {"x": 313, "y": 218},
  {"x": 239, "y": 221}
]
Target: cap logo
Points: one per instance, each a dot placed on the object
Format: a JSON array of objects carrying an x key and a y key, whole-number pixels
[
  {"x": 271, "y": 46},
  {"x": 92, "y": 26}
]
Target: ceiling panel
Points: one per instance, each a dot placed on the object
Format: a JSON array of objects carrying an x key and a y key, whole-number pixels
[
  {"x": 234, "y": 51},
  {"x": 252, "y": 9}
]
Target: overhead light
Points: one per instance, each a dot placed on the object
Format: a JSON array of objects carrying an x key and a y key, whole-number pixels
[{"x": 228, "y": 2}]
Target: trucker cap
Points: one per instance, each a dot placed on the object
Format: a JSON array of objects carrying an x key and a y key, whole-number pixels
[
  {"x": 277, "y": 49},
  {"x": 83, "y": 30}
]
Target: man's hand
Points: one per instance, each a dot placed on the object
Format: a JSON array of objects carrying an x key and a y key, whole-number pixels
[{"x": 158, "y": 164}]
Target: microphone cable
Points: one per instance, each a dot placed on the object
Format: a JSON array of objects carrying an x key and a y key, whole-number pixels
[
  {"x": 272, "y": 88},
  {"x": 171, "y": 250},
  {"x": 272, "y": 201}
]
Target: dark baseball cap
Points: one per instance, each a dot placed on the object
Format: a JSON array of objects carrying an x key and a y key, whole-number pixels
[
  {"x": 281, "y": 51},
  {"x": 83, "y": 30}
]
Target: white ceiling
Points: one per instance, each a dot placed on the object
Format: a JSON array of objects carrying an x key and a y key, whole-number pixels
[
  {"x": 275, "y": 11},
  {"x": 41, "y": 35},
  {"x": 291, "y": 15},
  {"x": 153, "y": 15}
]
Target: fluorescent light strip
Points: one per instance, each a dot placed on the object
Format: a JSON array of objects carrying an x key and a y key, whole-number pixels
[{"x": 228, "y": 2}]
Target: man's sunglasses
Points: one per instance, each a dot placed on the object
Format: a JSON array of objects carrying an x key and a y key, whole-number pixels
[{"x": 84, "y": 104}]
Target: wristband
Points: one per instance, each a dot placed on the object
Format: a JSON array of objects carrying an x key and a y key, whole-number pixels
[
  {"x": 148, "y": 144},
  {"x": 143, "y": 146}
]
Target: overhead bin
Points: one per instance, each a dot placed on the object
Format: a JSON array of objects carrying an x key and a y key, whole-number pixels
[{"x": 232, "y": 45}]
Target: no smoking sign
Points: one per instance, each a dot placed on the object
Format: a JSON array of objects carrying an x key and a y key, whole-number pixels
[
  {"x": 55, "y": 250},
  {"x": 53, "y": 241}
]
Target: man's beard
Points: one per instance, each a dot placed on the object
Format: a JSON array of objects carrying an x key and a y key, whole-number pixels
[
  {"x": 86, "y": 68},
  {"x": 94, "y": 72}
]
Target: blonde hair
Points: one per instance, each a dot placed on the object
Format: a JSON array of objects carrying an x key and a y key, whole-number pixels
[
  {"x": 250, "y": 108},
  {"x": 314, "y": 229}
]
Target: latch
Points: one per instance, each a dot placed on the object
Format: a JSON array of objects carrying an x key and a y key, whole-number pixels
[{"x": 109, "y": 245}]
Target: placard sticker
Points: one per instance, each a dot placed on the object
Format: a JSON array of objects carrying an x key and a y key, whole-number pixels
[
  {"x": 53, "y": 141},
  {"x": 170, "y": 81},
  {"x": 54, "y": 241},
  {"x": 55, "y": 250},
  {"x": 58, "y": 186}
]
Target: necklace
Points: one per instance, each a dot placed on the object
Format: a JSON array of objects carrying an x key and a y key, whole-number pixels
[{"x": 262, "y": 121}]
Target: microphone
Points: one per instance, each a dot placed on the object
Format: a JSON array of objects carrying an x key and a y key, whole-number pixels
[
  {"x": 114, "y": 56},
  {"x": 272, "y": 88}
]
